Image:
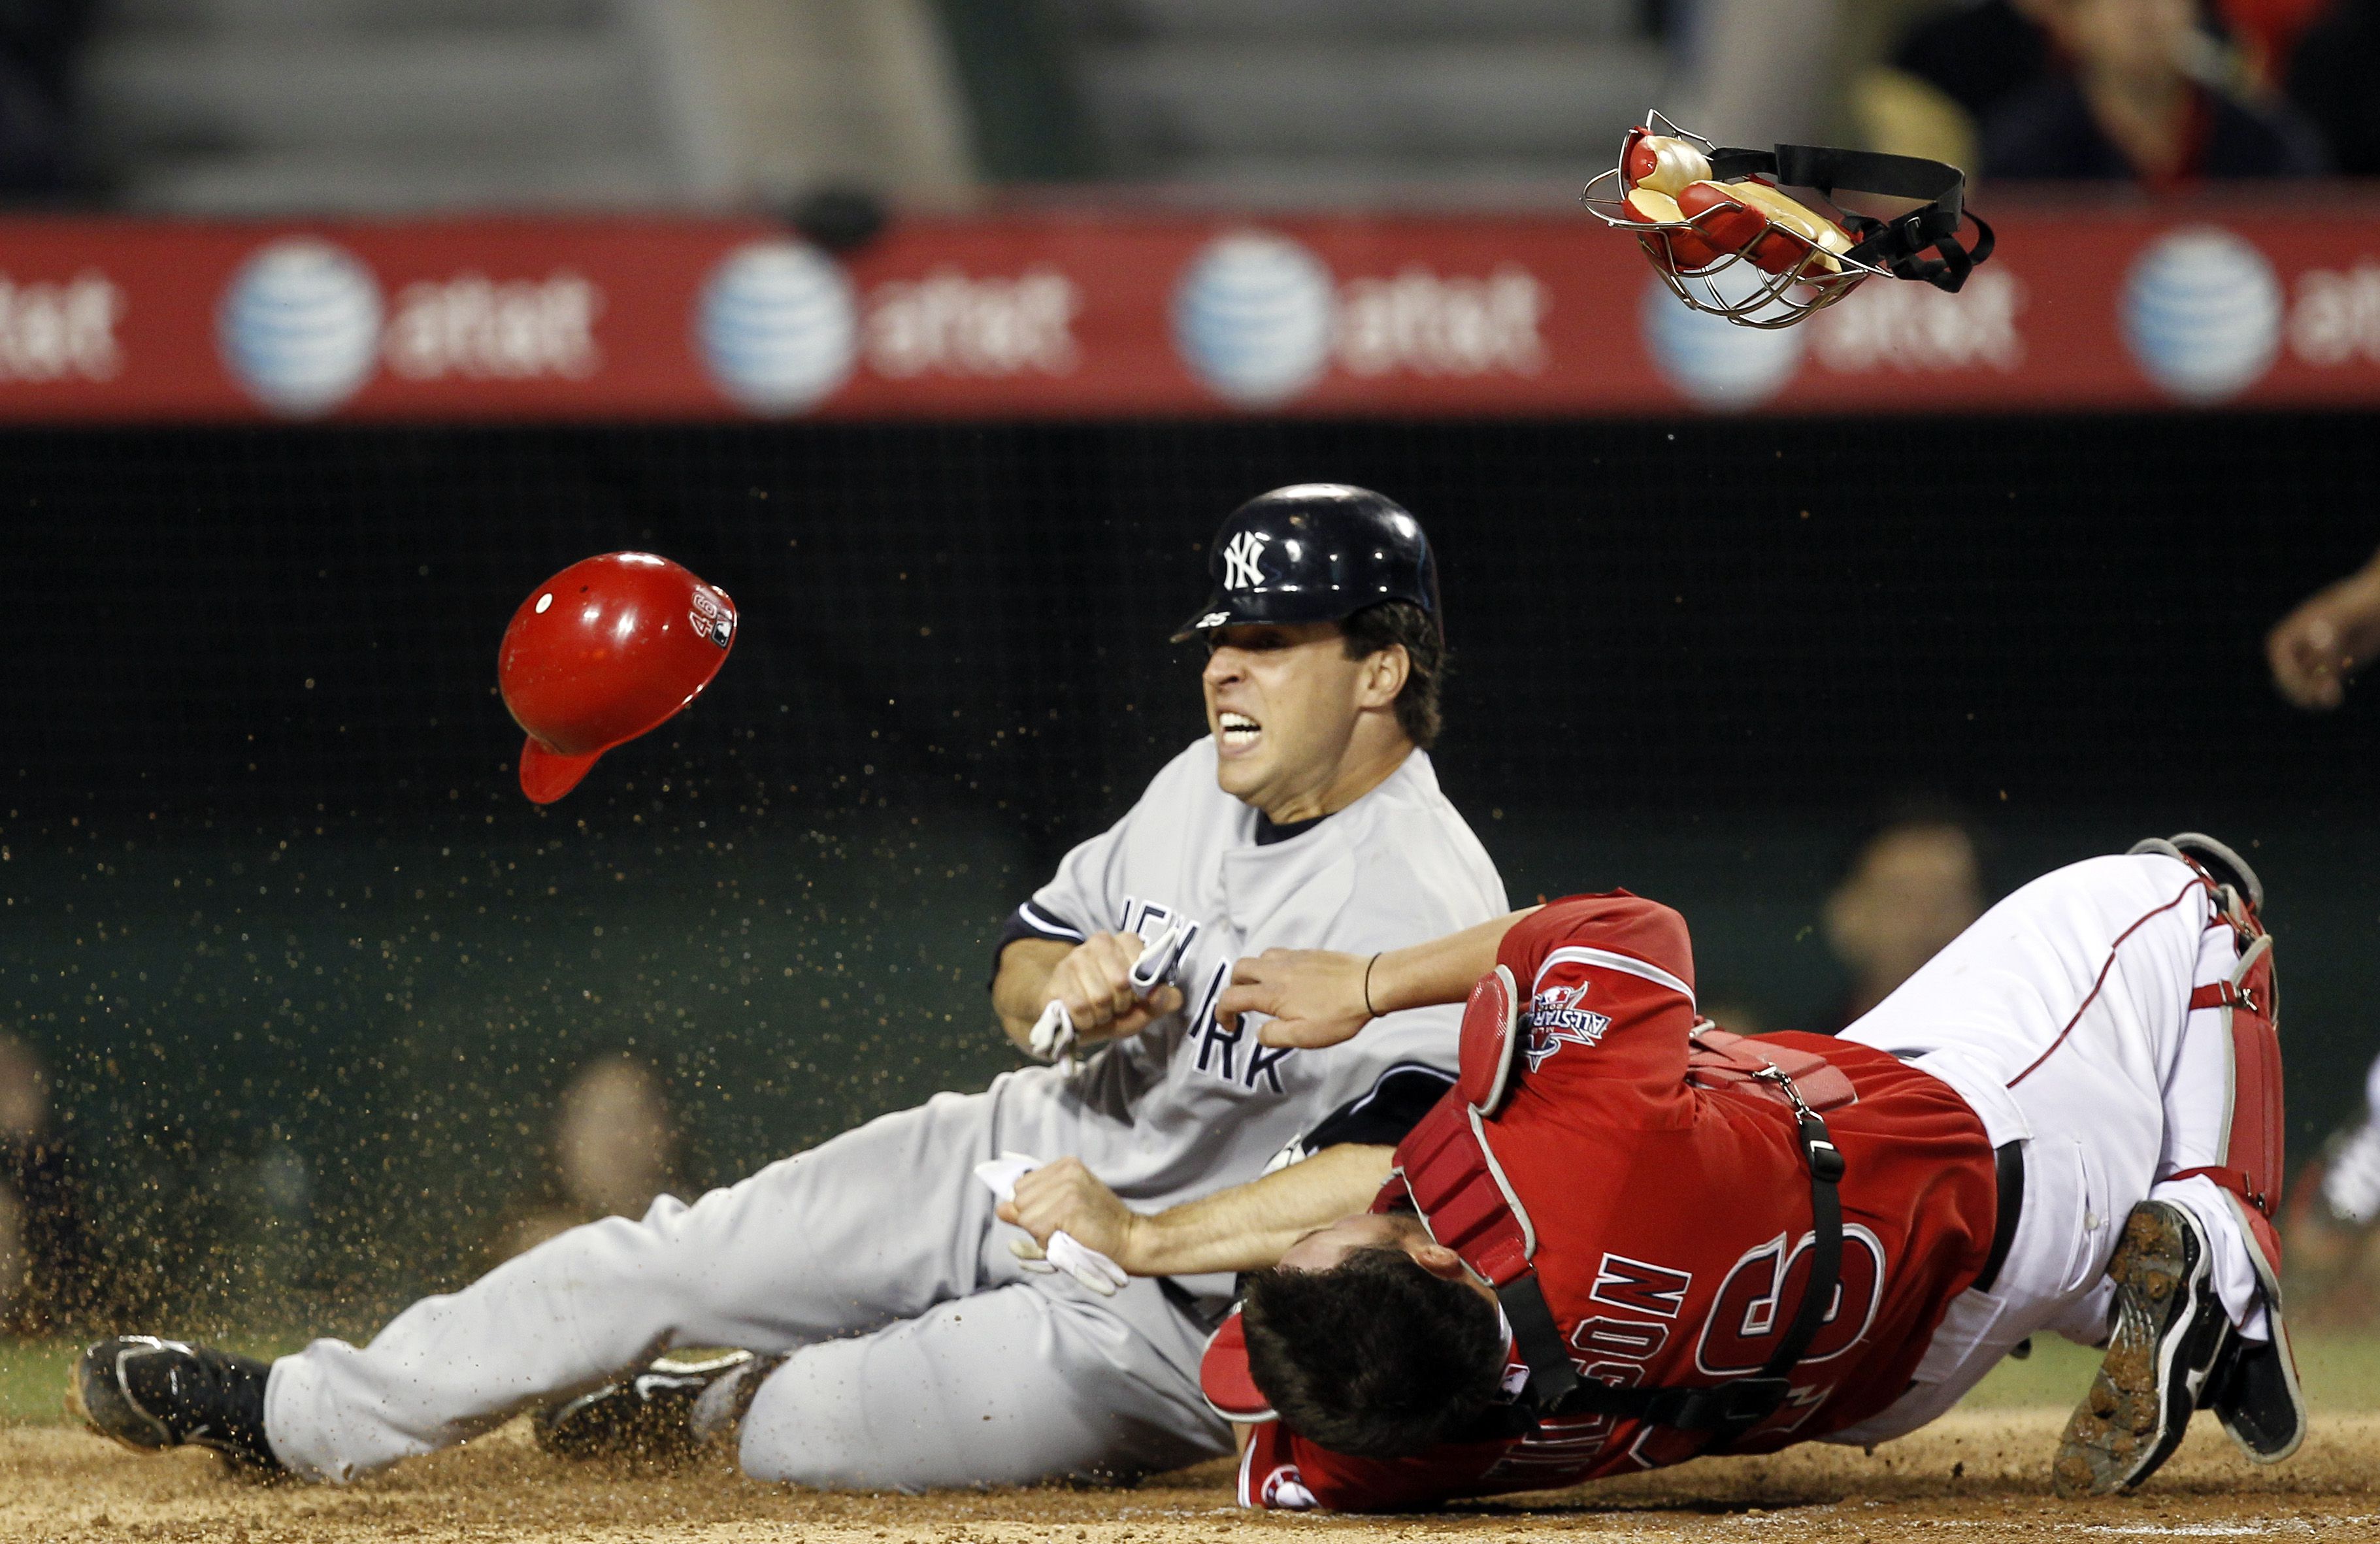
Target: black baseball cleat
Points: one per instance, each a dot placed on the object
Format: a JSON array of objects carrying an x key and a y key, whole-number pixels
[
  {"x": 151, "y": 1394},
  {"x": 2252, "y": 1388},
  {"x": 2169, "y": 1333},
  {"x": 2225, "y": 866},
  {"x": 2254, "y": 1392},
  {"x": 649, "y": 1420}
]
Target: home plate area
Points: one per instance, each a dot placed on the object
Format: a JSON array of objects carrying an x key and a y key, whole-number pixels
[{"x": 1974, "y": 1475}]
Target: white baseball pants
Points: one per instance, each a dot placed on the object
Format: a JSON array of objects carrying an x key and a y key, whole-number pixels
[
  {"x": 2062, "y": 1017},
  {"x": 921, "y": 1355}
]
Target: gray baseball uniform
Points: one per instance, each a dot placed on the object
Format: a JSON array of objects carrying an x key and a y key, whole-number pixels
[{"x": 922, "y": 1354}]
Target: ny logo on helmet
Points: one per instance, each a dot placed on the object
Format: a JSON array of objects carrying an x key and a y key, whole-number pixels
[
  {"x": 1556, "y": 1019},
  {"x": 1240, "y": 570}
]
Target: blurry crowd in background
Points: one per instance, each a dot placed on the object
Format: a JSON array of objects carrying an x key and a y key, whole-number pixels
[
  {"x": 232, "y": 106},
  {"x": 2160, "y": 93},
  {"x": 611, "y": 1147},
  {"x": 1901, "y": 890},
  {"x": 45, "y": 1274}
]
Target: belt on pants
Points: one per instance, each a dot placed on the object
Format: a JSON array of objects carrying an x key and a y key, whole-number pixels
[{"x": 2007, "y": 1169}]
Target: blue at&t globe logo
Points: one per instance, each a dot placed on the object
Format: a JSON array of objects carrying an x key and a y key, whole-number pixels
[
  {"x": 299, "y": 325},
  {"x": 1251, "y": 317},
  {"x": 2202, "y": 314},
  {"x": 1710, "y": 360},
  {"x": 777, "y": 325}
]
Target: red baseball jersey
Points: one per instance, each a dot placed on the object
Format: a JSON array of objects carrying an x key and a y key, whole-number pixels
[{"x": 1673, "y": 1222}]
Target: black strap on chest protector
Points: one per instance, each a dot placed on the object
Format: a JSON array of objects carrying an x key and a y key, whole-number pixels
[
  {"x": 1725, "y": 1410},
  {"x": 1898, "y": 246}
]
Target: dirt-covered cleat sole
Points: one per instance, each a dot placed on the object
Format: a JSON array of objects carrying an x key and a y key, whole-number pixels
[
  {"x": 2169, "y": 1329},
  {"x": 649, "y": 1420},
  {"x": 151, "y": 1394}
]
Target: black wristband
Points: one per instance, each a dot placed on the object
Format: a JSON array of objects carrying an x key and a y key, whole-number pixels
[{"x": 1370, "y": 1012}]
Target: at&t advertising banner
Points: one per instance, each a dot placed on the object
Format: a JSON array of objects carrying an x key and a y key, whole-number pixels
[{"x": 1087, "y": 315}]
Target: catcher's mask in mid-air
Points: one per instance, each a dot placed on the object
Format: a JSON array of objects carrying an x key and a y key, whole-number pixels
[
  {"x": 605, "y": 650},
  {"x": 1726, "y": 242}
]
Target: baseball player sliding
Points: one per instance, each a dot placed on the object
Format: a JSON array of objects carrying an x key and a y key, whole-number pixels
[
  {"x": 894, "y": 1338},
  {"x": 1626, "y": 1238}
]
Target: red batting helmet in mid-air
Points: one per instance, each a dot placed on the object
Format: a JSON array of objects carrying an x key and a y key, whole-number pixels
[{"x": 603, "y": 652}]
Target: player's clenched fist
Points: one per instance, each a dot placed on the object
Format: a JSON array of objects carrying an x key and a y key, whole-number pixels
[
  {"x": 1312, "y": 997},
  {"x": 1095, "y": 982},
  {"x": 1065, "y": 1197}
]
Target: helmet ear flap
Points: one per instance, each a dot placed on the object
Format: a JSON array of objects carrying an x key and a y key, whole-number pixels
[{"x": 546, "y": 774}]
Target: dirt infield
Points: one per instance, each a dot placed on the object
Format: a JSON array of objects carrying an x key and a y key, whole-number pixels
[{"x": 1975, "y": 1475}]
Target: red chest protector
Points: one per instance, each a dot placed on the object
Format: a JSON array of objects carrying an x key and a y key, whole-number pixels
[{"x": 1447, "y": 1167}]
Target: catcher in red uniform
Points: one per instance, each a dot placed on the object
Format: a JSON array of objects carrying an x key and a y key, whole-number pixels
[{"x": 1626, "y": 1238}]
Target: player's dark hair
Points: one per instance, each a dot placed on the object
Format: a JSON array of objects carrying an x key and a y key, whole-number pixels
[
  {"x": 1374, "y": 1358},
  {"x": 1394, "y": 622}
]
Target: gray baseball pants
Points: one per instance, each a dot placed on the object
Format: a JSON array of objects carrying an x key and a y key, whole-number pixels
[{"x": 920, "y": 1354}]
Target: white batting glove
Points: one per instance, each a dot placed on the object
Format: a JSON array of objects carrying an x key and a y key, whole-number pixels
[
  {"x": 1066, "y": 1253},
  {"x": 1156, "y": 961},
  {"x": 1053, "y": 1038},
  {"x": 1053, "y": 1035},
  {"x": 1082, "y": 1262}
]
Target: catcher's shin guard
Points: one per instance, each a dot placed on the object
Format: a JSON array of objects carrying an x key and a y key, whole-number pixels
[
  {"x": 2253, "y": 1387},
  {"x": 2248, "y": 1006}
]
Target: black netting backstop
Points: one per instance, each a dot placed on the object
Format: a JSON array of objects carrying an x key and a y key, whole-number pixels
[{"x": 309, "y": 969}]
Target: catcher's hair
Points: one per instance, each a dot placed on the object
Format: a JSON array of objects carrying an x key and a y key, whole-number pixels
[
  {"x": 1401, "y": 622},
  {"x": 1374, "y": 1358}
]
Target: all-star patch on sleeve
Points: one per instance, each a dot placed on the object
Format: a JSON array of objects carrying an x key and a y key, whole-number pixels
[{"x": 1607, "y": 997}]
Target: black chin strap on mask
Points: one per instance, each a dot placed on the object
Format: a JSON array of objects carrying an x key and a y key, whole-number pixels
[{"x": 1898, "y": 246}]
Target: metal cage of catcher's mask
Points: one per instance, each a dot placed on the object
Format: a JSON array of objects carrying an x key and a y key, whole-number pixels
[{"x": 1734, "y": 286}]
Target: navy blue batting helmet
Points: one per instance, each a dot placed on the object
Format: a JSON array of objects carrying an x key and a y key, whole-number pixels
[{"x": 1316, "y": 551}]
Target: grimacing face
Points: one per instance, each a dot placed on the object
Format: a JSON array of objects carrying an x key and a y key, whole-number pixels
[{"x": 1282, "y": 701}]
